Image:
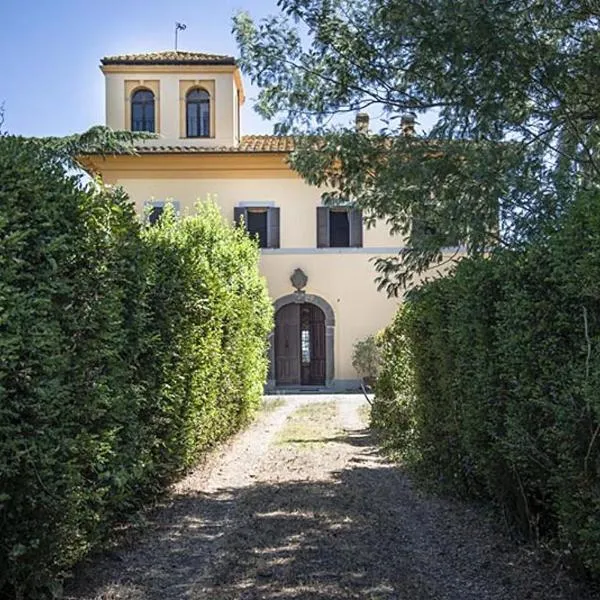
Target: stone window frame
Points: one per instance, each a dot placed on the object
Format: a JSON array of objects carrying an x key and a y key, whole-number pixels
[
  {"x": 273, "y": 220},
  {"x": 355, "y": 226},
  {"x": 185, "y": 87},
  {"x": 149, "y": 204},
  {"x": 134, "y": 85}
]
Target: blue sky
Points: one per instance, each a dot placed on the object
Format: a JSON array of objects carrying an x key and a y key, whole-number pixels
[{"x": 50, "y": 50}]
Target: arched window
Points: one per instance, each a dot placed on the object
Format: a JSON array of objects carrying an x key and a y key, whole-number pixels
[
  {"x": 142, "y": 111},
  {"x": 197, "y": 106}
]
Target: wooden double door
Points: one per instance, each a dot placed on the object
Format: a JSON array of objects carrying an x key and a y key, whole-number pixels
[{"x": 300, "y": 345}]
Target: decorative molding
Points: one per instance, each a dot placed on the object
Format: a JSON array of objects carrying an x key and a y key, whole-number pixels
[
  {"x": 199, "y": 70},
  {"x": 299, "y": 279},
  {"x": 304, "y": 298},
  {"x": 256, "y": 203},
  {"x": 154, "y": 202},
  {"x": 161, "y": 203},
  {"x": 185, "y": 86},
  {"x": 363, "y": 250},
  {"x": 208, "y": 164},
  {"x": 132, "y": 86}
]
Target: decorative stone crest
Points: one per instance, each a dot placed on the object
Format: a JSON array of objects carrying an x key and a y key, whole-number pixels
[{"x": 299, "y": 279}]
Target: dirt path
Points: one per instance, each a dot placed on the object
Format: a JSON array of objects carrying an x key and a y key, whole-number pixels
[{"x": 302, "y": 506}]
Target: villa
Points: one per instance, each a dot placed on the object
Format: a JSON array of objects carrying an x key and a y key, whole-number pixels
[{"x": 317, "y": 259}]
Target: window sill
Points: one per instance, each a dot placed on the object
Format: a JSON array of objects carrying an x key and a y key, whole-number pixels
[{"x": 362, "y": 250}]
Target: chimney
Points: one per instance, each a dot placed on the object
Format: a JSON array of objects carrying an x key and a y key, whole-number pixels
[
  {"x": 407, "y": 123},
  {"x": 362, "y": 122}
]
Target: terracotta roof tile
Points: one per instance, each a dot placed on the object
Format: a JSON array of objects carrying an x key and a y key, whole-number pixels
[
  {"x": 169, "y": 57},
  {"x": 249, "y": 144}
]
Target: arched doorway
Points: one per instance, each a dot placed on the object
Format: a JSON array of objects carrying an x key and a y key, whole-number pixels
[
  {"x": 301, "y": 348},
  {"x": 300, "y": 345}
]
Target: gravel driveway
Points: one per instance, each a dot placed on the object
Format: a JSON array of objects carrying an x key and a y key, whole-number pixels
[{"x": 302, "y": 506}]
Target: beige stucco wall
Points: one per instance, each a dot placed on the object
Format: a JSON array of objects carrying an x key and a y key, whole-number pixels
[
  {"x": 223, "y": 103},
  {"x": 296, "y": 199},
  {"x": 343, "y": 277}
]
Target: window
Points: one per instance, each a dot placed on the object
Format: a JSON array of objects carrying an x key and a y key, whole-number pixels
[
  {"x": 261, "y": 222},
  {"x": 154, "y": 209},
  {"x": 142, "y": 111},
  {"x": 339, "y": 227},
  {"x": 155, "y": 214},
  {"x": 257, "y": 224},
  {"x": 197, "y": 107},
  {"x": 305, "y": 345}
]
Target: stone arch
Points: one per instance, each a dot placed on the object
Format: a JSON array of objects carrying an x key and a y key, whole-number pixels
[{"x": 304, "y": 298}]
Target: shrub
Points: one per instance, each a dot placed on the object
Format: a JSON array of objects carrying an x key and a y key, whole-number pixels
[
  {"x": 492, "y": 380},
  {"x": 366, "y": 358},
  {"x": 393, "y": 409},
  {"x": 206, "y": 363},
  {"x": 124, "y": 353}
]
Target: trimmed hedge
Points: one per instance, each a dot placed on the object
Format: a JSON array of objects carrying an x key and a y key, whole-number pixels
[
  {"x": 491, "y": 384},
  {"x": 124, "y": 353}
]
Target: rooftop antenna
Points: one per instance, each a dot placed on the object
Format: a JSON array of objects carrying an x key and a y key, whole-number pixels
[{"x": 178, "y": 27}]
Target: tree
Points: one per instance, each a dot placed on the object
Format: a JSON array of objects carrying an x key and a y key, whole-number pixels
[
  {"x": 70, "y": 150},
  {"x": 513, "y": 87},
  {"x": 100, "y": 140}
]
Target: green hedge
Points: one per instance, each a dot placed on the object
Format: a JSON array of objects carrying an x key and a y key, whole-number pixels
[
  {"x": 491, "y": 386},
  {"x": 124, "y": 353}
]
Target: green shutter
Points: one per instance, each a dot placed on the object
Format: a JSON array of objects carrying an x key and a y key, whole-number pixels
[
  {"x": 356, "y": 228},
  {"x": 239, "y": 213},
  {"x": 273, "y": 227},
  {"x": 322, "y": 227}
]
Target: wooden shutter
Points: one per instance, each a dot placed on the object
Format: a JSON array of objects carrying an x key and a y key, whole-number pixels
[
  {"x": 273, "y": 227},
  {"x": 238, "y": 213},
  {"x": 356, "y": 228},
  {"x": 322, "y": 227}
]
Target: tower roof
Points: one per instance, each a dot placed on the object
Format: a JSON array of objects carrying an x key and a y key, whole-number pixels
[{"x": 169, "y": 57}]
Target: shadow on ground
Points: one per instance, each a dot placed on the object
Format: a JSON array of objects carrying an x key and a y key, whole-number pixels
[
  {"x": 358, "y": 439},
  {"x": 363, "y": 534}
]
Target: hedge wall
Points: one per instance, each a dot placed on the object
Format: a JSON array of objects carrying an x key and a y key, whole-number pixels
[
  {"x": 491, "y": 384},
  {"x": 124, "y": 353}
]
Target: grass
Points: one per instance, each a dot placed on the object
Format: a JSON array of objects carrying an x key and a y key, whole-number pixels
[
  {"x": 269, "y": 404},
  {"x": 310, "y": 426}
]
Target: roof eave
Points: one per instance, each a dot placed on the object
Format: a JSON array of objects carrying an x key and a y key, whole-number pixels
[{"x": 217, "y": 62}]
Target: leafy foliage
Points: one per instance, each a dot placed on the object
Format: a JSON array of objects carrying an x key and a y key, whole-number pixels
[
  {"x": 511, "y": 88},
  {"x": 98, "y": 140},
  {"x": 492, "y": 378},
  {"x": 124, "y": 353},
  {"x": 366, "y": 357},
  {"x": 212, "y": 315},
  {"x": 393, "y": 411}
]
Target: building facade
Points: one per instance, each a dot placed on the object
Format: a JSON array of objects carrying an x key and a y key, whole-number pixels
[{"x": 317, "y": 260}]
